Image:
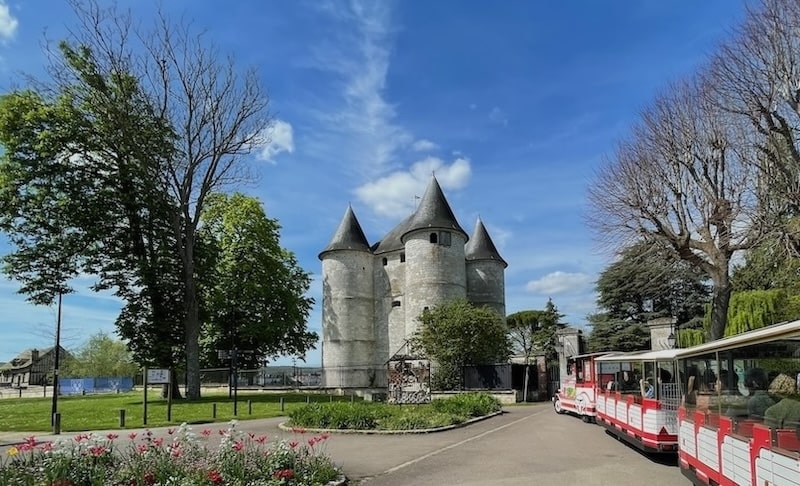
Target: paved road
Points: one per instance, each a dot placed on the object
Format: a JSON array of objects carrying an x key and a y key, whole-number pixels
[{"x": 527, "y": 445}]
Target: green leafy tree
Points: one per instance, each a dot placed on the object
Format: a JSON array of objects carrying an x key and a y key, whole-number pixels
[
  {"x": 109, "y": 166},
  {"x": 610, "y": 333},
  {"x": 767, "y": 266},
  {"x": 531, "y": 332},
  {"x": 457, "y": 333},
  {"x": 257, "y": 292},
  {"x": 648, "y": 281},
  {"x": 101, "y": 356}
]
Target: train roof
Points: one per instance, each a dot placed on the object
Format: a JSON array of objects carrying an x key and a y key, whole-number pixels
[
  {"x": 589, "y": 355},
  {"x": 647, "y": 355},
  {"x": 769, "y": 333}
]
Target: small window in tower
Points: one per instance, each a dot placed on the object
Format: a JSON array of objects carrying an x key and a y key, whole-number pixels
[
  {"x": 444, "y": 238},
  {"x": 434, "y": 238},
  {"x": 402, "y": 257},
  {"x": 395, "y": 303},
  {"x": 385, "y": 261}
]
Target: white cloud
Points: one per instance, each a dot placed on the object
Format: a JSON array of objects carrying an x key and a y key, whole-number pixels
[
  {"x": 498, "y": 117},
  {"x": 8, "y": 24},
  {"x": 276, "y": 139},
  {"x": 560, "y": 283},
  {"x": 424, "y": 145},
  {"x": 394, "y": 194}
]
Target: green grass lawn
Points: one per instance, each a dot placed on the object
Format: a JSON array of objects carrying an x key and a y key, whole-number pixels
[{"x": 98, "y": 412}]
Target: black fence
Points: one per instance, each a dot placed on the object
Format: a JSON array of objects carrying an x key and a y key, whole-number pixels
[{"x": 487, "y": 377}]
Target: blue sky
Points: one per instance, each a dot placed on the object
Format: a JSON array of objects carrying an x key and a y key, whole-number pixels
[{"x": 513, "y": 104}]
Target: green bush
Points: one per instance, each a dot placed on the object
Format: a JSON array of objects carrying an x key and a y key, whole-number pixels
[
  {"x": 468, "y": 404},
  {"x": 359, "y": 415},
  {"x": 418, "y": 419},
  {"x": 370, "y": 416}
]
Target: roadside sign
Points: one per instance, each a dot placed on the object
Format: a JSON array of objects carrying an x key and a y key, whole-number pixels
[{"x": 157, "y": 376}]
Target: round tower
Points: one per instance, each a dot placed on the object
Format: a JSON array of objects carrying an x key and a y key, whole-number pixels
[
  {"x": 348, "y": 333},
  {"x": 485, "y": 271},
  {"x": 434, "y": 250}
]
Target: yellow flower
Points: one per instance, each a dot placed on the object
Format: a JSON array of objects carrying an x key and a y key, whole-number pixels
[{"x": 13, "y": 451}]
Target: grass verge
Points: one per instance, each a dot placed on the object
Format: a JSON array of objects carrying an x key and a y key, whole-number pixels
[{"x": 98, "y": 412}]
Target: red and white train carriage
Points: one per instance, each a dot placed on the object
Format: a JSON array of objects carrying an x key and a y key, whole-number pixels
[
  {"x": 576, "y": 393},
  {"x": 729, "y": 431},
  {"x": 637, "y": 398}
]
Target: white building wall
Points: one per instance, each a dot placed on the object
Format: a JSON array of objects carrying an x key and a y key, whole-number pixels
[
  {"x": 348, "y": 317},
  {"x": 435, "y": 274},
  {"x": 486, "y": 284}
]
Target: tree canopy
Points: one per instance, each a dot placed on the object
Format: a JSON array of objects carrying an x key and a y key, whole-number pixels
[
  {"x": 101, "y": 356},
  {"x": 457, "y": 333},
  {"x": 108, "y": 164},
  {"x": 255, "y": 295}
]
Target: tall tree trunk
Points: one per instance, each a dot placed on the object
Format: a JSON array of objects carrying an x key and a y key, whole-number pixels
[
  {"x": 719, "y": 304},
  {"x": 192, "y": 317},
  {"x": 525, "y": 385}
]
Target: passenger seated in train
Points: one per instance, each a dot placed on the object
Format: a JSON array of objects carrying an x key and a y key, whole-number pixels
[
  {"x": 755, "y": 380},
  {"x": 732, "y": 402},
  {"x": 785, "y": 413},
  {"x": 628, "y": 382},
  {"x": 647, "y": 388}
]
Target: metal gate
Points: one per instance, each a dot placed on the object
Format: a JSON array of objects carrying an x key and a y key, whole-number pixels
[{"x": 670, "y": 399}]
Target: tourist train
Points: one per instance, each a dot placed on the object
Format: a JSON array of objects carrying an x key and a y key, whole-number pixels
[{"x": 729, "y": 408}]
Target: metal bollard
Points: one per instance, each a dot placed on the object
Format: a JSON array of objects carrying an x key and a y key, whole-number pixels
[
  {"x": 121, "y": 418},
  {"x": 57, "y": 423},
  {"x": 308, "y": 399},
  {"x": 331, "y": 397},
  {"x": 249, "y": 407},
  {"x": 352, "y": 398},
  {"x": 281, "y": 404},
  {"x": 213, "y": 410}
]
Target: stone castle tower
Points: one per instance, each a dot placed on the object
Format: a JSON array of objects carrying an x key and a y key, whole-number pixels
[{"x": 373, "y": 295}]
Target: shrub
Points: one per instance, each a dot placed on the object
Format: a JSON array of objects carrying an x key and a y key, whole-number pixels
[
  {"x": 468, "y": 404},
  {"x": 359, "y": 415},
  {"x": 370, "y": 416}
]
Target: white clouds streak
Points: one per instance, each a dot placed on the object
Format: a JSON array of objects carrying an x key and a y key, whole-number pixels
[
  {"x": 560, "y": 283},
  {"x": 362, "y": 126},
  {"x": 394, "y": 194},
  {"x": 8, "y": 24}
]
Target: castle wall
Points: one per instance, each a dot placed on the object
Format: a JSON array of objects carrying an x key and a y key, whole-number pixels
[
  {"x": 486, "y": 284},
  {"x": 348, "y": 318},
  {"x": 389, "y": 317},
  {"x": 435, "y": 273}
]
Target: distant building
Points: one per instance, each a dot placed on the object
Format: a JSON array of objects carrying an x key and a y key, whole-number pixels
[
  {"x": 31, "y": 367},
  {"x": 372, "y": 296}
]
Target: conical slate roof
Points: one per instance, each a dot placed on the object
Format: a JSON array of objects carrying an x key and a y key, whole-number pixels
[
  {"x": 348, "y": 236},
  {"x": 481, "y": 246},
  {"x": 433, "y": 212}
]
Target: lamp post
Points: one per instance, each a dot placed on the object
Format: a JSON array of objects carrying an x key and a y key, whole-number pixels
[
  {"x": 672, "y": 339},
  {"x": 55, "y": 421}
]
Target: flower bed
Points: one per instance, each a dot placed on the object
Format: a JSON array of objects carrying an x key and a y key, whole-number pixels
[{"x": 186, "y": 459}]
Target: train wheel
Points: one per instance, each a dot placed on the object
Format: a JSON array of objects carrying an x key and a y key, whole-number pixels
[
  {"x": 587, "y": 419},
  {"x": 557, "y": 406}
]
